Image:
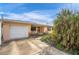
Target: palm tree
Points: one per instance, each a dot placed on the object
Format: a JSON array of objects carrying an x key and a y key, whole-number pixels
[{"x": 67, "y": 28}]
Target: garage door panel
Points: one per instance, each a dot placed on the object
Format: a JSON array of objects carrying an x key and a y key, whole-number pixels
[{"x": 18, "y": 32}]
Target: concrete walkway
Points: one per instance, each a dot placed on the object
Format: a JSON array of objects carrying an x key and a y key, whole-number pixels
[{"x": 31, "y": 46}]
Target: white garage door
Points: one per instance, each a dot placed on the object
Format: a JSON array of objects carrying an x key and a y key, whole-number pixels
[{"x": 18, "y": 32}]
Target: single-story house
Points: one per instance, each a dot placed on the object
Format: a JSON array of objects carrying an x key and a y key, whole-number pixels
[{"x": 15, "y": 29}]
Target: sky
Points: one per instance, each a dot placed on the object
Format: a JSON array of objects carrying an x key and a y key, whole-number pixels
[{"x": 34, "y": 12}]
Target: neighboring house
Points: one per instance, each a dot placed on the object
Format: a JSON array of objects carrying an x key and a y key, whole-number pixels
[{"x": 15, "y": 29}]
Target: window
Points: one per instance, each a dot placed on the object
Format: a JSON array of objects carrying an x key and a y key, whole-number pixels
[{"x": 33, "y": 28}]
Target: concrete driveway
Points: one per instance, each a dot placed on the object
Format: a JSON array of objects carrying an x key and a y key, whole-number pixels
[
  {"x": 23, "y": 47},
  {"x": 31, "y": 46}
]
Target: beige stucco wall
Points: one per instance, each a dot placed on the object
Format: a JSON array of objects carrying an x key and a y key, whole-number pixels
[
  {"x": 42, "y": 29},
  {"x": 45, "y": 29},
  {"x": 6, "y": 28}
]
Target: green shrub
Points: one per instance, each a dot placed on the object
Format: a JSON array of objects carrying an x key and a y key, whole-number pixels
[
  {"x": 53, "y": 34},
  {"x": 47, "y": 39},
  {"x": 59, "y": 46}
]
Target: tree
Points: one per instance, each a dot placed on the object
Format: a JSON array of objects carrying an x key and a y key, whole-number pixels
[{"x": 67, "y": 27}]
